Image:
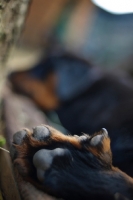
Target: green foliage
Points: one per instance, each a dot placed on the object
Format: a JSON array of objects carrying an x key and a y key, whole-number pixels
[{"x": 2, "y": 141}]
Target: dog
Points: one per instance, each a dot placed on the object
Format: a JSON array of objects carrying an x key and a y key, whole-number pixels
[{"x": 85, "y": 99}]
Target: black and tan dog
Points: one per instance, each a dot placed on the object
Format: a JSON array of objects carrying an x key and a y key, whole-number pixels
[{"x": 85, "y": 99}]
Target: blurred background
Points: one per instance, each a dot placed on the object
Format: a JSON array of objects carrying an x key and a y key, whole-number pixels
[
  {"x": 98, "y": 33},
  {"x": 102, "y": 37},
  {"x": 74, "y": 61}
]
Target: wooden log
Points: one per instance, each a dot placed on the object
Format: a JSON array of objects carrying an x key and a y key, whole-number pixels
[
  {"x": 18, "y": 112},
  {"x": 7, "y": 181}
]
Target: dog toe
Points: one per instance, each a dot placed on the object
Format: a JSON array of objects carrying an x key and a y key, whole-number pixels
[
  {"x": 19, "y": 137},
  {"x": 41, "y": 133}
]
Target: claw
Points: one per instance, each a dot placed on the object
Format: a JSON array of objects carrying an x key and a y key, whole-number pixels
[{"x": 105, "y": 132}]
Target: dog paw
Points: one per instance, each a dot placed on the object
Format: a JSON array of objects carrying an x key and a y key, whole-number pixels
[{"x": 57, "y": 162}]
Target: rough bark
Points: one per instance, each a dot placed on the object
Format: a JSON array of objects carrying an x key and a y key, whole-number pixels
[
  {"x": 12, "y": 17},
  {"x": 19, "y": 111}
]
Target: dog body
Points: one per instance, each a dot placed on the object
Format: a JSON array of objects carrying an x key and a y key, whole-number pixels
[{"x": 86, "y": 99}]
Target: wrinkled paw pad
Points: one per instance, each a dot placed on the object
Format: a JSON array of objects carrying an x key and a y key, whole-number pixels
[
  {"x": 44, "y": 159},
  {"x": 18, "y": 139},
  {"x": 41, "y": 133}
]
